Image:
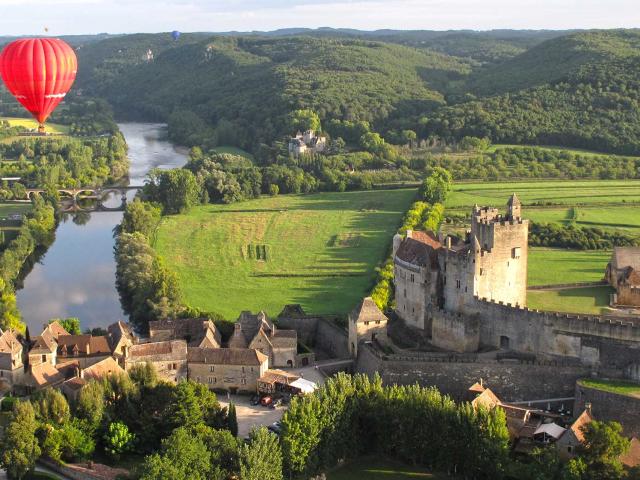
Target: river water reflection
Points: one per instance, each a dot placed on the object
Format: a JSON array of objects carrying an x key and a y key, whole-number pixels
[{"x": 76, "y": 277}]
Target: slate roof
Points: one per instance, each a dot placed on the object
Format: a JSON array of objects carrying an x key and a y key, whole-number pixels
[
  {"x": 419, "y": 248},
  {"x": 174, "y": 349},
  {"x": 627, "y": 257},
  {"x": 367, "y": 311},
  {"x": 226, "y": 356},
  {"x": 118, "y": 330},
  {"x": 9, "y": 343},
  {"x": 284, "y": 339}
]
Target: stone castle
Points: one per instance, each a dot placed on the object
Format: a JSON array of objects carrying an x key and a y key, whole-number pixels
[{"x": 469, "y": 296}]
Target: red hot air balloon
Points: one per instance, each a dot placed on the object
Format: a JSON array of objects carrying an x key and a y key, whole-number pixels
[{"x": 38, "y": 72}]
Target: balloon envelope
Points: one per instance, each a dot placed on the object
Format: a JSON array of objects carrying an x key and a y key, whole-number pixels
[
  {"x": 175, "y": 34},
  {"x": 38, "y": 72}
]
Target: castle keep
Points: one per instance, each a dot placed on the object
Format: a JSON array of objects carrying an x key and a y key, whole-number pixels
[
  {"x": 435, "y": 273},
  {"x": 470, "y": 296}
]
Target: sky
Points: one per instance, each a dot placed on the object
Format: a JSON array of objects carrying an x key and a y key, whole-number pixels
[{"x": 66, "y": 17}]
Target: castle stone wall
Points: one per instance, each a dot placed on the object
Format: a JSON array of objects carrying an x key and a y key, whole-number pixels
[
  {"x": 607, "y": 406},
  {"x": 318, "y": 333},
  {"x": 512, "y": 381},
  {"x": 593, "y": 340},
  {"x": 455, "y": 332}
]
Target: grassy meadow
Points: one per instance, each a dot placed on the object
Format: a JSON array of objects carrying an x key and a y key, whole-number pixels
[
  {"x": 552, "y": 266},
  {"x": 32, "y": 124},
  {"x": 380, "y": 469},
  {"x": 318, "y": 250},
  {"x": 614, "y": 386},
  {"x": 233, "y": 151},
  {"x": 593, "y": 300}
]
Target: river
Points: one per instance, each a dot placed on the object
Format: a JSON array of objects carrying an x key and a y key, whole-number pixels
[{"x": 76, "y": 276}]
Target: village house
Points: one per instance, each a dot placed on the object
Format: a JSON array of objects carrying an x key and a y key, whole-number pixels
[
  {"x": 623, "y": 274},
  {"x": 260, "y": 333},
  {"x": 197, "y": 332},
  {"x": 120, "y": 338},
  {"x": 11, "y": 365},
  {"x": 168, "y": 357},
  {"x": 45, "y": 345},
  {"x": 232, "y": 369},
  {"x": 573, "y": 437},
  {"x": 307, "y": 142},
  {"x": 366, "y": 323},
  {"x": 108, "y": 366},
  {"x": 87, "y": 349},
  {"x": 41, "y": 376}
]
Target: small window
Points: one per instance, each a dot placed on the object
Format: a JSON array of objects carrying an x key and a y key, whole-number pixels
[
  {"x": 242, "y": 369},
  {"x": 243, "y": 381},
  {"x": 252, "y": 369},
  {"x": 569, "y": 449},
  {"x": 457, "y": 283},
  {"x": 44, "y": 358},
  {"x": 405, "y": 293},
  {"x": 481, "y": 271},
  {"x": 515, "y": 252},
  {"x": 412, "y": 278},
  {"x": 212, "y": 368},
  {"x": 366, "y": 323},
  {"x": 377, "y": 322}
]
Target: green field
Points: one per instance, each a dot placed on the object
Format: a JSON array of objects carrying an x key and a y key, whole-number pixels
[
  {"x": 233, "y": 151},
  {"x": 553, "y": 266},
  {"x": 593, "y": 300},
  {"x": 560, "y": 192},
  {"x": 318, "y": 250},
  {"x": 10, "y": 208},
  {"x": 579, "y": 151},
  {"x": 615, "y": 386},
  {"x": 380, "y": 469},
  {"x": 31, "y": 124}
]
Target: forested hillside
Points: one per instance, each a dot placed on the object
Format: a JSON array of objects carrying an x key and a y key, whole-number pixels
[
  {"x": 574, "y": 89},
  {"x": 247, "y": 86}
]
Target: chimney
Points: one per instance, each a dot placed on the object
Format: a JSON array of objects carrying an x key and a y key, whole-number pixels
[
  {"x": 587, "y": 407},
  {"x": 481, "y": 383},
  {"x": 409, "y": 233},
  {"x": 448, "y": 242}
]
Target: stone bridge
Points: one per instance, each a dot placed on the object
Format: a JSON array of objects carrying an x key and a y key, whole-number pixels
[{"x": 69, "y": 197}]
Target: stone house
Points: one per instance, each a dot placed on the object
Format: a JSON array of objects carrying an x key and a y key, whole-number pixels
[
  {"x": 41, "y": 376},
  {"x": 87, "y": 349},
  {"x": 260, "y": 333},
  {"x": 197, "y": 332},
  {"x": 11, "y": 365},
  {"x": 168, "y": 357},
  {"x": 573, "y": 437},
  {"x": 120, "y": 337},
  {"x": 366, "y": 323},
  {"x": 307, "y": 142},
  {"x": 45, "y": 346},
  {"x": 71, "y": 387},
  {"x": 623, "y": 274},
  {"x": 232, "y": 369}
]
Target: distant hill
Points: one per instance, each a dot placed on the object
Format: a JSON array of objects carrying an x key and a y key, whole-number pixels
[{"x": 254, "y": 82}]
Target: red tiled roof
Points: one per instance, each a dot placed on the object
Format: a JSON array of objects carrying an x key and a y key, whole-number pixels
[
  {"x": 583, "y": 420},
  {"x": 367, "y": 311},
  {"x": 632, "y": 457},
  {"x": 226, "y": 356}
]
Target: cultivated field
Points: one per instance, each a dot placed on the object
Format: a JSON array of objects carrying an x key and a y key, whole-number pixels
[
  {"x": 31, "y": 124},
  {"x": 318, "y": 250},
  {"x": 233, "y": 151}
]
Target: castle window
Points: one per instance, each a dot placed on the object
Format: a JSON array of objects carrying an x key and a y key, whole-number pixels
[
  {"x": 412, "y": 278},
  {"x": 211, "y": 380},
  {"x": 366, "y": 323},
  {"x": 405, "y": 293},
  {"x": 515, "y": 252},
  {"x": 44, "y": 358},
  {"x": 457, "y": 283},
  {"x": 243, "y": 381},
  {"x": 377, "y": 322},
  {"x": 481, "y": 271},
  {"x": 212, "y": 369}
]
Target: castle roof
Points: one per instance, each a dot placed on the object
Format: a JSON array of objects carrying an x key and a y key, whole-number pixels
[
  {"x": 367, "y": 311},
  {"x": 419, "y": 248},
  {"x": 514, "y": 201},
  {"x": 624, "y": 257}
]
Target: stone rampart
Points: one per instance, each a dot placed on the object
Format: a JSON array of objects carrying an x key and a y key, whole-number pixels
[
  {"x": 609, "y": 406},
  {"x": 512, "y": 380},
  {"x": 319, "y": 333}
]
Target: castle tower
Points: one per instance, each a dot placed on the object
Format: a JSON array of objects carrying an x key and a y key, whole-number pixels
[
  {"x": 501, "y": 264},
  {"x": 514, "y": 207}
]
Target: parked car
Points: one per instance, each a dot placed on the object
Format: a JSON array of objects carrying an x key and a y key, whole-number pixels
[
  {"x": 266, "y": 401},
  {"x": 276, "y": 403},
  {"x": 255, "y": 400},
  {"x": 275, "y": 427}
]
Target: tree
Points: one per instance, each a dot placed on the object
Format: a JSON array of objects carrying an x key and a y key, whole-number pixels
[
  {"x": 50, "y": 406},
  {"x": 19, "y": 449},
  {"x": 117, "y": 439},
  {"x": 437, "y": 186},
  {"x": 71, "y": 324},
  {"x": 90, "y": 404},
  {"x": 144, "y": 375},
  {"x": 141, "y": 217},
  {"x": 232, "y": 420},
  {"x": 372, "y": 142},
  {"x": 192, "y": 404},
  {"x": 261, "y": 459},
  {"x": 602, "y": 448},
  {"x": 302, "y": 120},
  {"x": 177, "y": 190}
]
